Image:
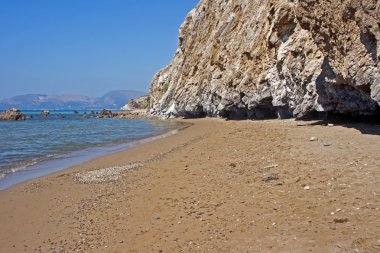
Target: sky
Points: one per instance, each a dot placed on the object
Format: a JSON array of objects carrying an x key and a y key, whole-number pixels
[{"x": 86, "y": 47}]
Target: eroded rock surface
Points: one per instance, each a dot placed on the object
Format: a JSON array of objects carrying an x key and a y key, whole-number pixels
[{"x": 254, "y": 59}]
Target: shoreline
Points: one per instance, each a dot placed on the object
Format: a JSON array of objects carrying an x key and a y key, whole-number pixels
[
  {"x": 209, "y": 188},
  {"x": 56, "y": 163}
]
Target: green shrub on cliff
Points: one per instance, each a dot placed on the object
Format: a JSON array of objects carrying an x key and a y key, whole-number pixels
[{"x": 165, "y": 87}]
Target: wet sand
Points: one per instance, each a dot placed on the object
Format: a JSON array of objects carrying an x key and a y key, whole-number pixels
[{"x": 216, "y": 186}]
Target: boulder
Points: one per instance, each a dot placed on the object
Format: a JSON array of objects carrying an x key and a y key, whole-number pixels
[
  {"x": 12, "y": 114},
  {"x": 45, "y": 113},
  {"x": 105, "y": 114}
]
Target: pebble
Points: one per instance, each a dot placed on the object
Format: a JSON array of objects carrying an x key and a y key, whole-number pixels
[
  {"x": 270, "y": 177},
  {"x": 330, "y": 125},
  {"x": 342, "y": 220},
  {"x": 313, "y": 138},
  {"x": 106, "y": 174},
  {"x": 306, "y": 187}
]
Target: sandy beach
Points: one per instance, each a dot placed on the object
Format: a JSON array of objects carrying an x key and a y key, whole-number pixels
[{"x": 216, "y": 186}]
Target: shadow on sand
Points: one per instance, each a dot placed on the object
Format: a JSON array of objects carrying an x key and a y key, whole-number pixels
[{"x": 365, "y": 124}]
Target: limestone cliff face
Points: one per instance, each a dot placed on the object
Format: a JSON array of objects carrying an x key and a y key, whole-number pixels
[{"x": 258, "y": 58}]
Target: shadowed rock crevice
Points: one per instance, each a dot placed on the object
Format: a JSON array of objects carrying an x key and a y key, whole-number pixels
[{"x": 370, "y": 43}]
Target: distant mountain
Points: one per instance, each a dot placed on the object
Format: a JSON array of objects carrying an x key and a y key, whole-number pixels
[
  {"x": 116, "y": 99},
  {"x": 111, "y": 100}
]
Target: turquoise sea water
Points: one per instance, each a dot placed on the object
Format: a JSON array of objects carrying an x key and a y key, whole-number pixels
[{"x": 42, "y": 145}]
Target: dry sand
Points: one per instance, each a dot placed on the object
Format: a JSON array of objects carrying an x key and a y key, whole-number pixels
[{"x": 217, "y": 186}]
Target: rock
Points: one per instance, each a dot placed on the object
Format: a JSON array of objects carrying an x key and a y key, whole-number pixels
[
  {"x": 136, "y": 108},
  {"x": 306, "y": 187},
  {"x": 105, "y": 114},
  {"x": 271, "y": 166},
  {"x": 341, "y": 220},
  {"x": 270, "y": 177},
  {"x": 134, "y": 114},
  {"x": 45, "y": 113},
  {"x": 12, "y": 114},
  {"x": 330, "y": 125},
  {"x": 313, "y": 138},
  {"x": 141, "y": 103},
  {"x": 258, "y": 59}
]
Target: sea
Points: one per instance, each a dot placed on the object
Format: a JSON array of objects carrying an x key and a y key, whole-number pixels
[{"x": 42, "y": 145}]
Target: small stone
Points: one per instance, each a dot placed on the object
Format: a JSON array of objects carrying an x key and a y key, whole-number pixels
[
  {"x": 342, "y": 220},
  {"x": 306, "y": 187},
  {"x": 313, "y": 138},
  {"x": 270, "y": 177},
  {"x": 330, "y": 125}
]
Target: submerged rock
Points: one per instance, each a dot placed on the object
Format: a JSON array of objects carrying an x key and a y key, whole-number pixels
[
  {"x": 12, "y": 114},
  {"x": 85, "y": 115},
  {"x": 283, "y": 58}
]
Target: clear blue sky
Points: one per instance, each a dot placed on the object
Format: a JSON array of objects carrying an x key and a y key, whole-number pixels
[{"x": 86, "y": 46}]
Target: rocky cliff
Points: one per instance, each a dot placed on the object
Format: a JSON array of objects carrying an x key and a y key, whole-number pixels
[{"x": 262, "y": 58}]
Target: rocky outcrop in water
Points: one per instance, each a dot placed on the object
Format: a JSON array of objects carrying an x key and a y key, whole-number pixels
[
  {"x": 45, "y": 113},
  {"x": 12, "y": 114},
  {"x": 256, "y": 59},
  {"x": 105, "y": 114}
]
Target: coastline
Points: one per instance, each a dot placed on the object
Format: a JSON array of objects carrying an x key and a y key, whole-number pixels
[
  {"x": 206, "y": 189},
  {"x": 44, "y": 167}
]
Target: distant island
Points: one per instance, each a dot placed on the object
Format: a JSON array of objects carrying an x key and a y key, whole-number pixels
[{"x": 111, "y": 100}]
